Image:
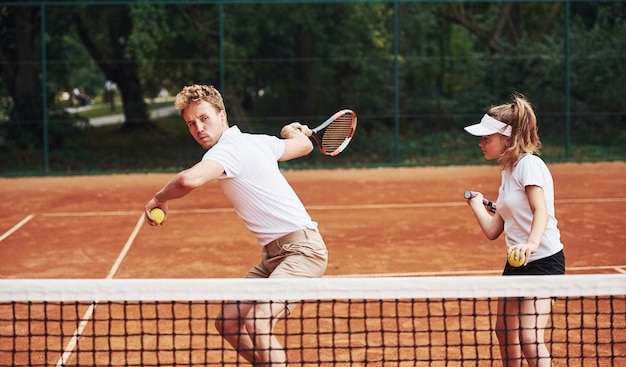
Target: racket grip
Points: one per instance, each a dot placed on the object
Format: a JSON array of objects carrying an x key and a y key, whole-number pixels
[{"x": 490, "y": 205}]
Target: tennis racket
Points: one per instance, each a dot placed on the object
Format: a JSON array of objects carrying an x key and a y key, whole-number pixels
[
  {"x": 334, "y": 134},
  {"x": 488, "y": 204}
]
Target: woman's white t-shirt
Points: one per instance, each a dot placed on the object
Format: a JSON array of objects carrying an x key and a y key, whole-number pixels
[
  {"x": 252, "y": 181},
  {"x": 514, "y": 208}
]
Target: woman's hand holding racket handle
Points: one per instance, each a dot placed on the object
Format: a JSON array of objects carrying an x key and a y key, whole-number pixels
[{"x": 468, "y": 195}]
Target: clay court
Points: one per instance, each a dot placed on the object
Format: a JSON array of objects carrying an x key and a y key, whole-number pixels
[{"x": 376, "y": 222}]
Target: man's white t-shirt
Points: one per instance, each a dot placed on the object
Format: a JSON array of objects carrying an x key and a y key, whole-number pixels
[
  {"x": 514, "y": 208},
  {"x": 252, "y": 180}
]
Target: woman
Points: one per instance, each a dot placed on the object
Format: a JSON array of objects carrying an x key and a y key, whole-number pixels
[{"x": 525, "y": 212}]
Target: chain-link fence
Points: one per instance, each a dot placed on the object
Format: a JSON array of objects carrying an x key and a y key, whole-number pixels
[{"x": 87, "y": 85}]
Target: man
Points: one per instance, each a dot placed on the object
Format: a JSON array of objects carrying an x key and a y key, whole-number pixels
[{"x": 246, "y": 167}]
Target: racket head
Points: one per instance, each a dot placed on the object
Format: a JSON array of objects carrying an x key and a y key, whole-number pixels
[{"x": 334, "y": 134}]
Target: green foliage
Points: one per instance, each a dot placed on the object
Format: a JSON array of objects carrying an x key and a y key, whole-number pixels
[
  {"x": 285, "y": 61},
  {"x": 152, "y": 35}
]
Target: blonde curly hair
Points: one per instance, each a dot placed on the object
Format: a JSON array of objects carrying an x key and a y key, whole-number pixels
[{"x": 194, "y": 94}]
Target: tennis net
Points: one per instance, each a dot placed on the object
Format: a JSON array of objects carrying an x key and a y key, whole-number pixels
[{"x": 399, "y": 321}]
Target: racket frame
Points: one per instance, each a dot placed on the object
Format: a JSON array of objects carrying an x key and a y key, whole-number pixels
[{"x": 318, "y": 139}]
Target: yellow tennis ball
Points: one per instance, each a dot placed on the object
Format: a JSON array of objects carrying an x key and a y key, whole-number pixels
[
  {"x": 158, "y": 215},
  {"x": 516, "y": 262}
]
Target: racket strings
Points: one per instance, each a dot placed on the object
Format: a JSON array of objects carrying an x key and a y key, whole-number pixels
[{"x": 337, "y": 133}]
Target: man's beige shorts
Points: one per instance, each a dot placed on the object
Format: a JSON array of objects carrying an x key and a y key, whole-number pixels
[{"x": 301, "y": 254}]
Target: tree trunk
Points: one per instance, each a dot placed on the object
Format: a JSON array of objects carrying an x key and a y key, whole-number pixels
[
  {"x": 21, "y": 62},
  {"x": 114, "y": 59}
]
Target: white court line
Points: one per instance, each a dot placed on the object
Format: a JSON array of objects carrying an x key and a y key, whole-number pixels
[
  {"x": 616, "y": 268},
  {"x": 16, "y": 227},
  {"x": 133, "y": 212},
  {"x": 129, "y": 243},
  {"x": 448, "y": 204},
  {"x": 330, "y": 207},
  {"x": 89, "y": 214},
  {"x": 87, "y": 315},
  {"x": 590, "y": 201}
]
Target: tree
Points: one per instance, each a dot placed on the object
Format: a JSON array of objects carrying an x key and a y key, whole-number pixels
[
  {"x": 105, "y": 32},
  {"x": 20, "y": 59}
]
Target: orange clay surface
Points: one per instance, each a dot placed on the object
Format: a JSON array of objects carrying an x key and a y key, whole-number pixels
[
  {"x": 401, "y": 221},
  {"x": 392, "y": 221}
]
